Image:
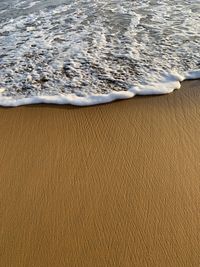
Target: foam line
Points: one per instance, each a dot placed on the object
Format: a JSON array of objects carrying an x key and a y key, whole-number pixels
[{"x": 72, "y": 99}]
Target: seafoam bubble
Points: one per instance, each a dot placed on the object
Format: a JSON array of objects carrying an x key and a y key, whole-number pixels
[{"x": 90, "y": 49}]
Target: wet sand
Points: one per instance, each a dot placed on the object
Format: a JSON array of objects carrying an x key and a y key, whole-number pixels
[{"x": 109, "y": 185}]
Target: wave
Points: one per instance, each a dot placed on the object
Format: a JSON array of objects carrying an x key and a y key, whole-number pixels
[
  {"x": 167, "y": 85},
  {"x": 87, "y": 53}
]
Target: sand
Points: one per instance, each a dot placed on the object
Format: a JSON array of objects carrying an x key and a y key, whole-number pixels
[{"x": 109, "y": 185}]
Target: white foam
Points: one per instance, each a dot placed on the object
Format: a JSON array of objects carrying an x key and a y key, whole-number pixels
[
  {"x": 167, "y": 85},
  {"x": 92, "y": 52}
]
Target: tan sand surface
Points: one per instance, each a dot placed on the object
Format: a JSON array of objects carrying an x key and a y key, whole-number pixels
[{"x": 109, "y": 185}]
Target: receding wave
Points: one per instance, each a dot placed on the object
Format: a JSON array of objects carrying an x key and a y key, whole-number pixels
[{"x": 90, "y": 52}]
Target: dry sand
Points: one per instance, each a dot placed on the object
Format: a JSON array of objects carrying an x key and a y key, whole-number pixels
[{"x": 109, "y": 185}]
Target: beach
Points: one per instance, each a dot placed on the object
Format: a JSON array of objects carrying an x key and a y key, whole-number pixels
[{"x": 108, "y": 185}]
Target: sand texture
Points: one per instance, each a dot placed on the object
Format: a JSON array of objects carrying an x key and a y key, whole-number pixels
[{"x": 109, "y": 185}]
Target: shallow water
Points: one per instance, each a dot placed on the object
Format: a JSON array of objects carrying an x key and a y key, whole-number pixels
[{"x": 89, "y": 52}]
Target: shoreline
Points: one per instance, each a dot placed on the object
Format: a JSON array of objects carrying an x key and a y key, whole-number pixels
[
  {"x": 108, "y": 185},
  {"x": 167, "y": 85}
]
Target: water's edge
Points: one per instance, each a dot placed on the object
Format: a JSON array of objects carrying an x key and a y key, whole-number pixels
[{"x": 167, "y": 85}]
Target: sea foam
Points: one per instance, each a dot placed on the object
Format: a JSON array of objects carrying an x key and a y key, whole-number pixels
[{"x": 87, "y": 53}]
